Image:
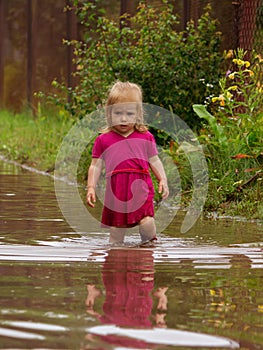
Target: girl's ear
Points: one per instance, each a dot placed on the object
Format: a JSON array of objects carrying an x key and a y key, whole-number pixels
[{"x": 139, "y": 113}]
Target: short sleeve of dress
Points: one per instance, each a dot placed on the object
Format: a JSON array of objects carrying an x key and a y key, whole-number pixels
[
  {"x": 97, "y": 148},
  {"x": 152, "y": 148}
]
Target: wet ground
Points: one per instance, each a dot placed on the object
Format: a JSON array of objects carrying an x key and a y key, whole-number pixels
[{"x": 61, "y": 289}]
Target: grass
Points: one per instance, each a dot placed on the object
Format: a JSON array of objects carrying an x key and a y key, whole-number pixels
[{"x": 33, "y": 140}]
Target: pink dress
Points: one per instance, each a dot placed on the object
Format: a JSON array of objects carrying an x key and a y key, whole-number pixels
[{"x": 129, "y": 188}]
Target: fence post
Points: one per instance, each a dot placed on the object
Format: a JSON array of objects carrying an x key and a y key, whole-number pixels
[
  {"x": 186, "y": 13},
  {"x": 194, "y": 11},
  {"x": 235, "y": 40},
  {"x": 127, "y": 7},
  {"x": 71, "y": 23},
  {"x": 32, "y": 9},
  {"x": 29, "y": 52},
  {"x": 248, "y": 24}
]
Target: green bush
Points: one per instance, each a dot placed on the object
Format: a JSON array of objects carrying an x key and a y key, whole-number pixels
[{"x": 175, "y": 69}]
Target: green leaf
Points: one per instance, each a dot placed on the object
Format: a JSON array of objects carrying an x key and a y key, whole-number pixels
[{"x": 216, "y": 128}]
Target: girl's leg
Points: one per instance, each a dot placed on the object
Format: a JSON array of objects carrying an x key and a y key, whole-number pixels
[
  {"x": 147, "y": 229},
  {"x": 117, "y": 234}
]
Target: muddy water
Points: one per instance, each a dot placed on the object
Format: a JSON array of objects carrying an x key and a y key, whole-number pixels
[{"x": 60, "y": 289}]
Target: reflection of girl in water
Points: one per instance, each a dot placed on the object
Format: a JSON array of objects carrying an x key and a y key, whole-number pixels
[
  {"x": 128, "y": 277},
  {"x": 128, "y": 282}
]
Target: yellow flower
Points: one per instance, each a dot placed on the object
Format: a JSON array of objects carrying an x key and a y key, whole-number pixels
[
  {"x": 214, "y": 99},
  {"x": 222, "y": 100},
  {"x": 259, "y": 58},
  {"x": 260, "y": 308},
  {"x": 259, "y": 87},
  {"x": 233, "y": 88},
  {"x": 249, "y": 72},
  {"x": 231, "y": 76},
  {"x": 238, "y": 61},
  {"x": 229, "y": 95},
  {"x": 247, "y": 64},
  {"x": 229, "y": 54}
]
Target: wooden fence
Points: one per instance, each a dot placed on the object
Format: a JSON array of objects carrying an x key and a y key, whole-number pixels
[{"x": 31, "y": 33}]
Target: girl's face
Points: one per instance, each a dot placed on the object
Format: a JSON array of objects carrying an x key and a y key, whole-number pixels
[{"x": 123, "y": 117}]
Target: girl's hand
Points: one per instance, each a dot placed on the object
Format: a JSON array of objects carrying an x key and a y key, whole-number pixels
[
  {"x": 158, "y": 171},
  {"x": 163, "y": 188},
  {"x": 91, "y": 197}
]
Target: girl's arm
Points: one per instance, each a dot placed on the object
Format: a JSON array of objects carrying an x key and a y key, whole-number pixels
[
  {"x": 93, "y": 177},
  {"x": 158, "y": 171}
]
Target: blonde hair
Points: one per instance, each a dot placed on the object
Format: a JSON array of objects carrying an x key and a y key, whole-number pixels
[{"x": 124, "y": 92}]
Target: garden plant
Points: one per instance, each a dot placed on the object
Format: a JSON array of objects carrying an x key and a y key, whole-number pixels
[{"x": 232, "y": 136}]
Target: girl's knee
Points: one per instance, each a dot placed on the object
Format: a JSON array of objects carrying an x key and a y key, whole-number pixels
[
  {"x": 146, "y": 219},
  {"x": 117, "y": 235},
  {"x": 147, "y": 229}
]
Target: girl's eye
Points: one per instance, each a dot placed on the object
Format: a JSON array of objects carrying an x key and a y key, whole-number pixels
[{"x": 127, "y": 114}]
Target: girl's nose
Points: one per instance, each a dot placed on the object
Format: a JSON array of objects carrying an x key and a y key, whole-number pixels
[{"x": 123, "y": 117}]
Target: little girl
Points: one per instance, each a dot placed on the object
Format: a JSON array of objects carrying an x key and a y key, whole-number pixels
[{"x": 128, "y": 150}]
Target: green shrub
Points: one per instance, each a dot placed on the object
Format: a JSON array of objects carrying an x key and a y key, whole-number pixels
[{"x": 175, "y": 69}]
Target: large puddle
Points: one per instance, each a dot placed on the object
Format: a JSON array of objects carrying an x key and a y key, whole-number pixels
[{"x": 61, "y": 289}]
